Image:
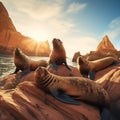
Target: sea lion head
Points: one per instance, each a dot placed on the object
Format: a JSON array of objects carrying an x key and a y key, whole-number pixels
[
  {"x": 17, "y": 51},
  {"x": 80, "y": 60},
  {"x": 40, "y": 73},
  {"x": 82, "y": 65},
  {"x": 57, "y": 43}
]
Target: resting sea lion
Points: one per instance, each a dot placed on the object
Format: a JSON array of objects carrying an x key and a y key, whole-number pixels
[
  {"x": 71, "y": 89},
  {"x": 24, "y": 63},
  {"x": 89, "y": 67},
  {"x": 58, "y": 54}
]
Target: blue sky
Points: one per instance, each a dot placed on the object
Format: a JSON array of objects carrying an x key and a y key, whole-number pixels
[{"x": 80, "y": 24}]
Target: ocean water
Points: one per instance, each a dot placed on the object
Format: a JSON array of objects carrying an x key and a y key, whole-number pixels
[{"x": 7, "y": 64}]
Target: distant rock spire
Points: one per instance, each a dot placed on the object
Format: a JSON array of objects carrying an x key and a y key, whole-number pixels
[
  {"x": 5, "y": 21},
  {"x": 105, "y": 44}
]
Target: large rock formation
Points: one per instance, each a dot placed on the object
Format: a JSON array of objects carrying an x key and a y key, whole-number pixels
[
  {"x": 10, "y": 38},
  {"x": 104, "y": 49},
  {"x": 105, "y": 44},
  {"x": 111, "y": 82},
  {"x": 21, "y": 99}
]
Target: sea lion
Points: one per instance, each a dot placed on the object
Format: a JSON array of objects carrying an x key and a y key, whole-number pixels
[
  {"x": 24, "y": 63},
  {"x": 71, "y": 90},
  {"x": 58, "y": 54},
  {"x": 90, "y": 67}
]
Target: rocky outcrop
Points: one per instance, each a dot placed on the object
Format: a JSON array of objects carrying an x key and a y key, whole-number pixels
[
  {"x": 10, "y": 38},
  {"x": 105, "y": 44},
  {"x": 104, "y": 49},
  {"x": 27, "y": 102},
  {"x": 111, "y": 82},
  {"x": 21, "y": 99},
  {"x": 63, "y": 71},
  {"x": 5, "y": 21}
]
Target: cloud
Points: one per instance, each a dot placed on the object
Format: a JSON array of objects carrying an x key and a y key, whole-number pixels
[
  {"x": 114, "y": 28},
  {"x": 46, "y": 19},
  {"x": 38, "y": 9},
  {"x": 75, "y": 7},
  {"x": 82, "y": 44},
  {"x": 38, "y": 17}
]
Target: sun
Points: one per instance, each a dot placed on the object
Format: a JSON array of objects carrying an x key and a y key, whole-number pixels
[{"x": 39, "y": 37}]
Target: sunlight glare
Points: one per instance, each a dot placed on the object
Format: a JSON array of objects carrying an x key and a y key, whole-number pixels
[{"x": 39, "y": 37}]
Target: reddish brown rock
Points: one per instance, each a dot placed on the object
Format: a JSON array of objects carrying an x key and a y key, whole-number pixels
[
  {"x": 104, "y": 49},
  {"x": 63, "y": 71},
  {"x": 10, "y": 38},
  {"x": 27, "y": 102},
  {"x": 105, "y": 44},
  {"x": 111, "y": 82}
]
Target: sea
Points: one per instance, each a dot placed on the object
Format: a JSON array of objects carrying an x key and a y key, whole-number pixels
[{"x": 7, "y": 65}]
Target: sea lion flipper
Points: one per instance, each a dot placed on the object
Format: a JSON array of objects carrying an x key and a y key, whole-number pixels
[
  {"x": 105, "y": 114},
  {"x": 24, "y": 72},
  {"x": 67, "y": 66},
  {"x": 16, "y": 70},
  {"x": 91, "y": 75},
  {"x": 54, "y": 65},
  {"x": 61, "y": 96}
]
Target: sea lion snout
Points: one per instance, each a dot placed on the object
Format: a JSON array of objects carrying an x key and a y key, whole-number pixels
[
  {"x": 17, "y": 51},
  {"x": 56, "y": 41}
]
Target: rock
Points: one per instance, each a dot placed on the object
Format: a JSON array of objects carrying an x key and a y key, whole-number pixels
[
  {"x": 111, "y": 82},
  {"x": 105, "y": 44},
  {"x": 11, "y": 81},
  {"x": 63, "y": 71},
  {"x": 27, "y": 102},
  {"x": 74, "y": 59},
  {"x": 5, "y": 21},
  {"x": 104, "y": 49},
  {"x": 23, "y": 100},
  {"x": 10, "y": 38}
]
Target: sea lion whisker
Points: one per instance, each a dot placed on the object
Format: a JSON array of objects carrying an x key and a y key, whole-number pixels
[
  {"x": 44, "y": 80},
  {"x": 47, "y": 80},
  {"x": 47, "y": 83},
  {"x": 52, "y": 81}
]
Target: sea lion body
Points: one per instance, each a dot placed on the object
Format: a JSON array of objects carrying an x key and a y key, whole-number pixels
[
  {"x": 23, "y": 62},
  {"x": 89, "y": 67},
  {"x": 71, "y": 89},
  {"x": 58, "y": 54}
]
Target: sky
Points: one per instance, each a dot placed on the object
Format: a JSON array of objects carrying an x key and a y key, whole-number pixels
[{"x": 80, "y": 24}]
